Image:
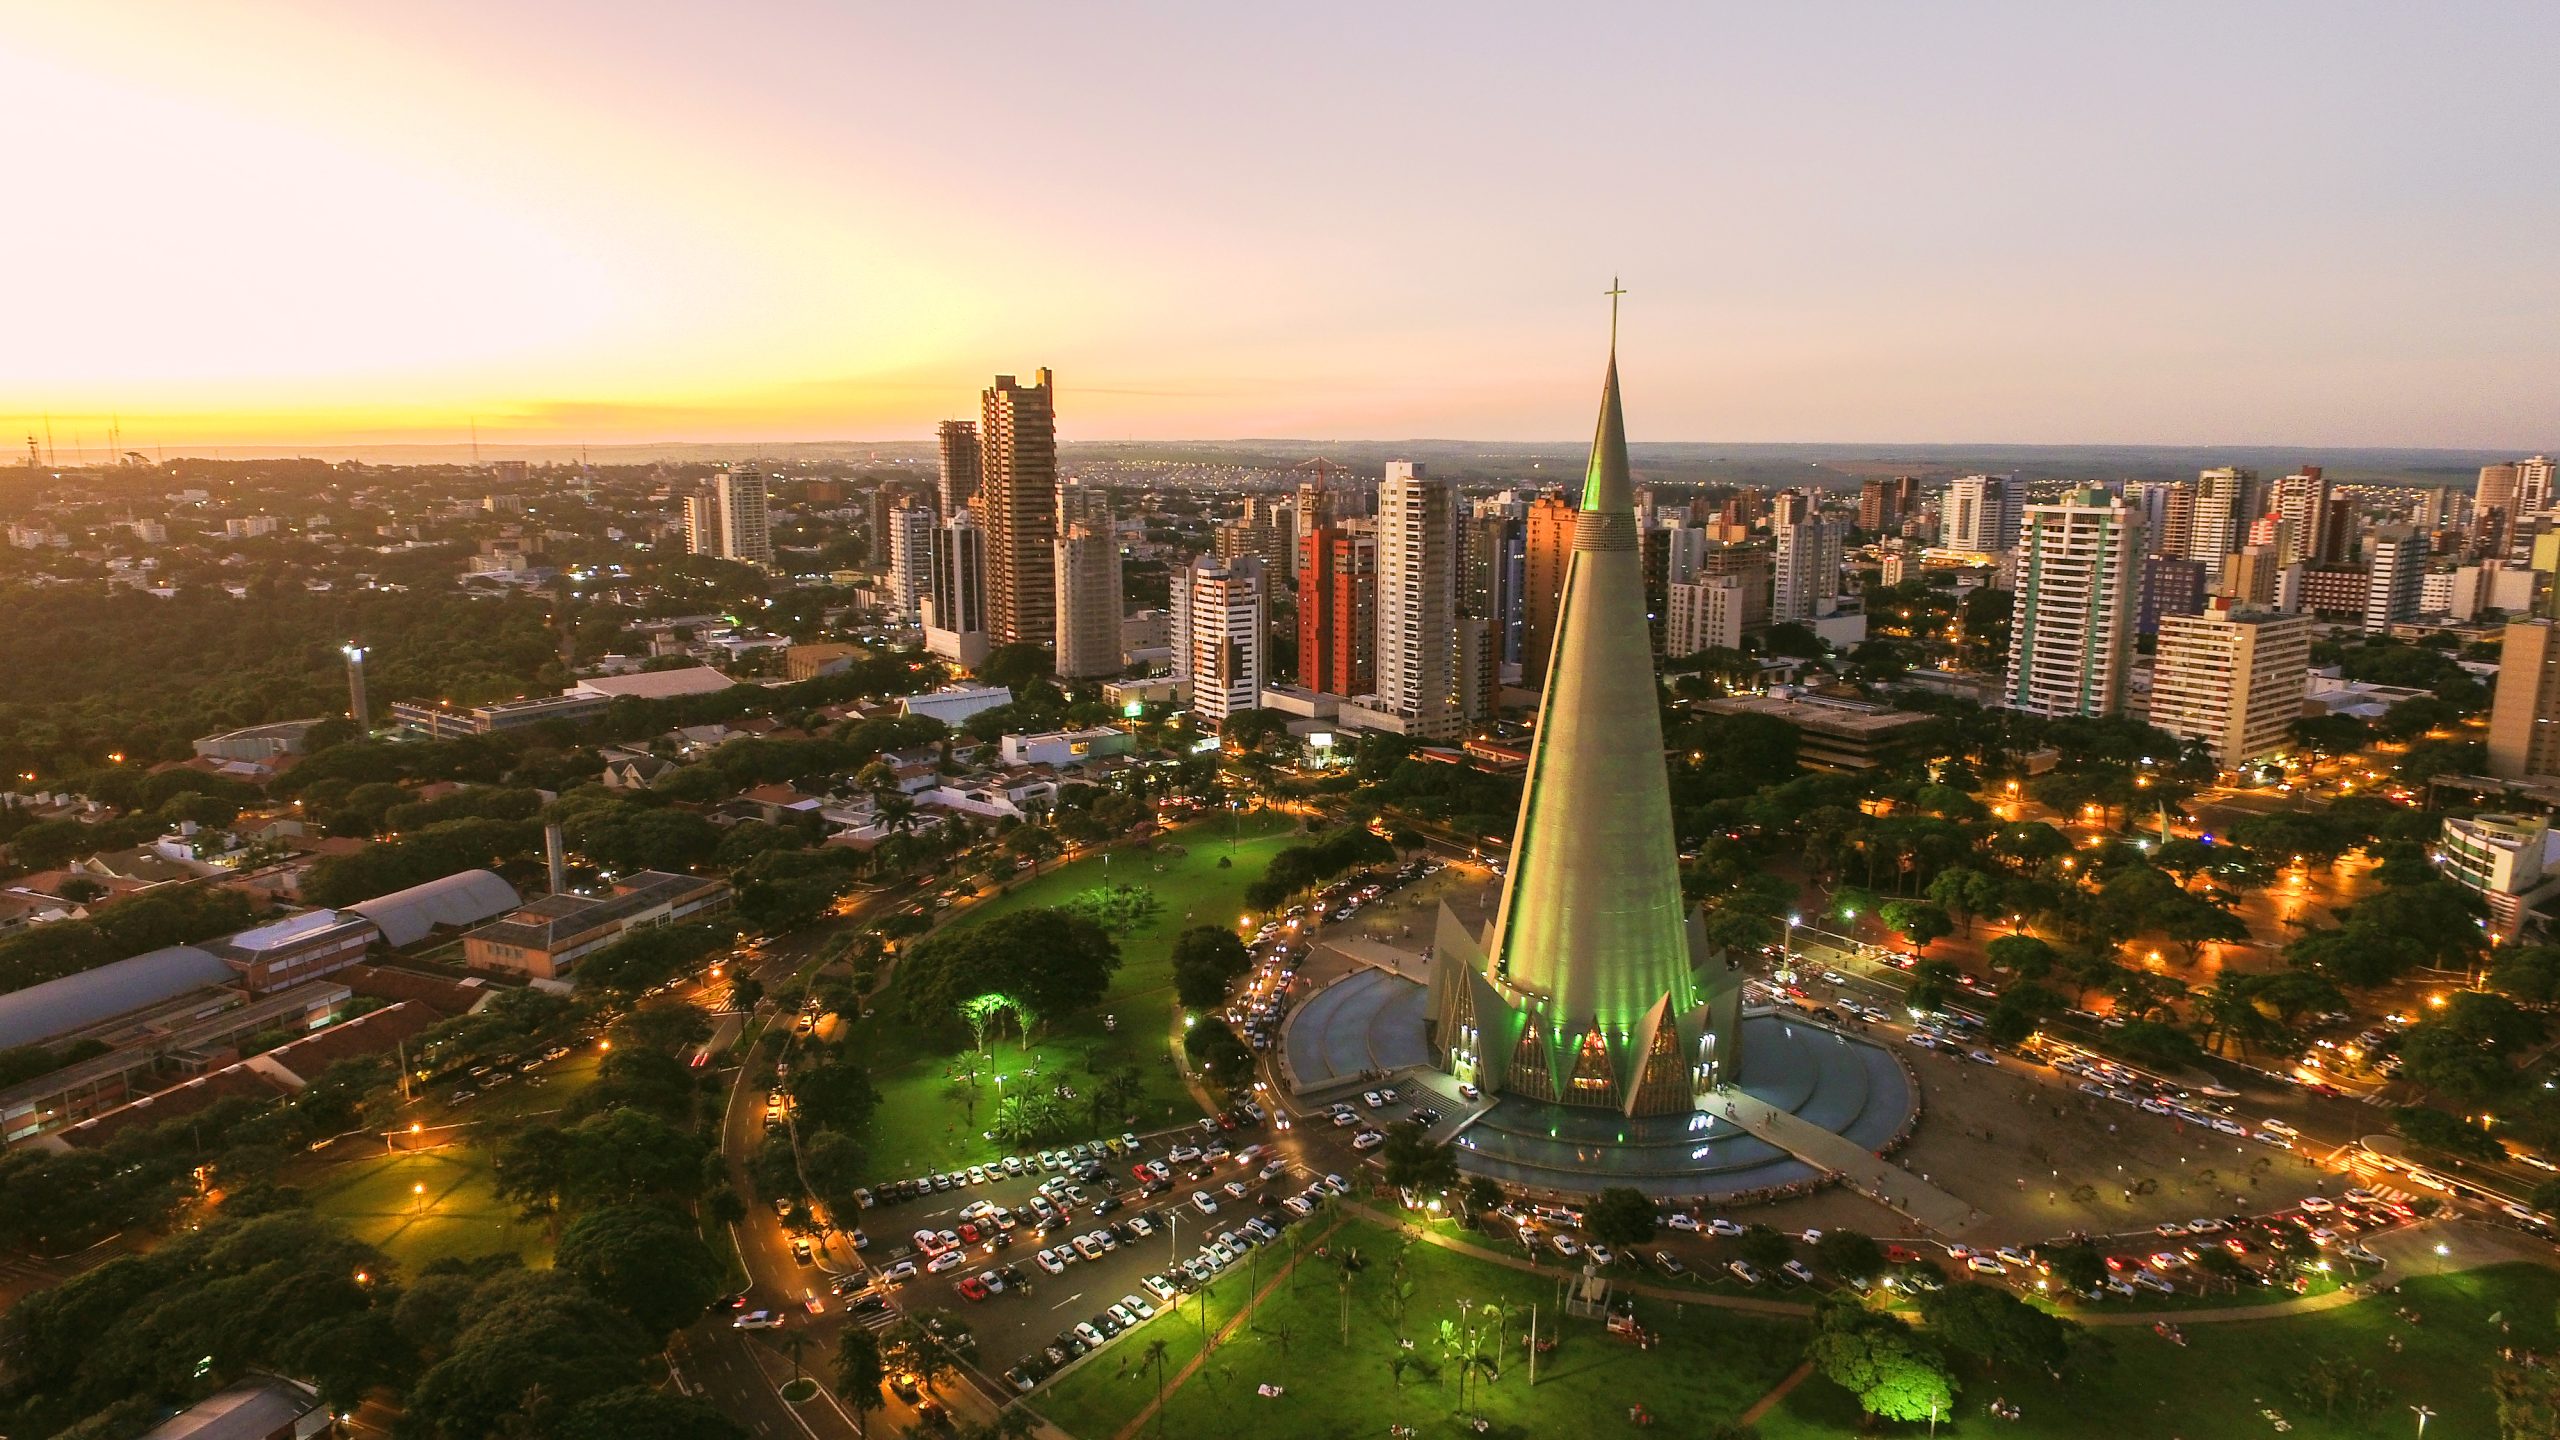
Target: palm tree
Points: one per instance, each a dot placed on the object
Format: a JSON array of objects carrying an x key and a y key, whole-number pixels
[
  {"x": 1153, "y": 1358},
  {"x": 858, "y": 1373}
]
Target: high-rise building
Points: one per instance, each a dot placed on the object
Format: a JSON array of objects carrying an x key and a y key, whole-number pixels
[
  {"x": 1418, "y": 601},
  {"x": 1018, "y": 506},
  {"x": 2395, "y": 575},
  {"x": 2227, "y": 500},
  {"x": 2524, "y": 714},
  {"x": 730, "y": 518},
  {"x": 910, "y": 577},
  {"x": 2249, "y": 577},
  {"x": 2537, "y": 485},
  {"x": 2302, "y": 503},
  {"x": 1338, "y": 611},
  {"x": 2079, "y": 589},
  {"x": 2171, "y": 585},
  {"x": 956, "y": 482},
  {"x": 1750, "y": 566},
  {"x": 1594, "y": 985},
  {"x": 2232, "y": 678},
  {"x": 1808, "y": 571},
  {"x": 1088, "y": 568},
  {"x": 1547, "y": 546},
  {"x": 1981, "y": 513},
  {"x": 955, "y": 610},
  {"x": 1884, "y": 504},
  {"x": 1488, "y": 584},
  {"x": 1706, "y": 614},
  {"x": 1217, "y": 635}
]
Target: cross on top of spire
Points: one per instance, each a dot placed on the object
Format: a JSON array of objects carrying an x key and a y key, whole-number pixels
[{"x": 1614, "y": 291}]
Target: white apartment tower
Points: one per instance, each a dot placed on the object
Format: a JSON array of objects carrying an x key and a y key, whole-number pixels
[
  {"x": 2301, "y": 509},
  {"x": 732, "y": 519},
  {"x": 1088, "y": 565},
  {"x": 2231, "y": 677},
  {"x": 2395, "y": 578},
  {"x": 1982, "y": 513},
  {"x": 1705, "y": 615},
  {"x": 1418, "y": 602},
  {"x": 2079, "y": 588},
  {"x": 1808, "y": 571},
  {"x": 911, "y": 530},
  {"x": 1217, "y": 635},
  {"x": 2227, "y": 500}
]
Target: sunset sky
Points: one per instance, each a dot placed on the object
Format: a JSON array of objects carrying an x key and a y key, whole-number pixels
[{"x": 326, "y": 223}]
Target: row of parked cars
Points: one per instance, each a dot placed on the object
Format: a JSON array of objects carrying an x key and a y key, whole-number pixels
[{"x": 1074, "y": 1159}]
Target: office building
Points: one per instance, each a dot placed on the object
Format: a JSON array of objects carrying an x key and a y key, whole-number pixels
[
  {"x": 1981, "y": 513},
  {"x": 1488, "y": 574},
  {"x": 2302, "y": 506},
  {"x": 1088, "y": 568},
  {"x": 1418, "y": 601},
  {"x": 2537, "y": 485},
  {"x": 2171, "y": 585},
  {"x": 955, "y": 609},
  {"x": 1217, "y": 635},
  {"x": 2250, "y": 576},
  {"x": 544, "y": 939},
  {"x": 1705, "y": 614},
  {"x": 1338, "y": 611},
  {"x": 911, "y": 529},
  {"x": 1547, "y": 543},
  {"x": 2227, "y": 501},
  {"x": 956, "y": 481},
  {"x": 1884, "y": 504},
  {"x": 730, "y": 518},
  {"x": 2395, "y": 573},
  {"x": 1018, "y": 508},
  {"x": 2079, "y": 590},
  {"x": 1808, "y": 571},
  {"x": 2524, "y": 714},
  {"x": 2232, "y": 678}
]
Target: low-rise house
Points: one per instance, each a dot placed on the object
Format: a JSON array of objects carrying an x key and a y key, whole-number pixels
[{"x": 266, "y": 1408}]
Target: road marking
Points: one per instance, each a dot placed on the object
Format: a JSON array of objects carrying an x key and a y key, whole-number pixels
[{"x": 1070, "y": 1300}]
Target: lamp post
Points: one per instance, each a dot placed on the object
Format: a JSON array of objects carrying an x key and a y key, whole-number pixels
[{"x": 1793, "y": 921}]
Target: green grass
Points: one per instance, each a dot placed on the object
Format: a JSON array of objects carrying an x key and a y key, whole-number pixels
[
  {"x": 1711, "y": 1364},
  {"x": 923, "y": 1124},
  {"x": 460, "y": 1213},
  {"x": 2216, "y": 1385}
]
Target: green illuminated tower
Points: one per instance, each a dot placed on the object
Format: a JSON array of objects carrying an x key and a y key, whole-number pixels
[{"x": 1594, "y": 985}]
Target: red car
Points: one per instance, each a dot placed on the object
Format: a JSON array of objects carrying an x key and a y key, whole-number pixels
[{"x": 973, "y": 1288}]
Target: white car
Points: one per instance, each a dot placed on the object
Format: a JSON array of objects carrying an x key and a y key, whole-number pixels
[
  {"x": 1741, "y": 1270},
  {"x": 758, "y": 1320},
  {"x": 2007, "y": 1256},
  {"x": 1985, "y": 1265},
  {"x": 1372, "y": 1099},
  {"x": 1724, "y": 1227},
  {"x": 1163, "y": 1289},
  {"x": 1141, "y": 1226},
  {"x": 1566, "y": 1245},
  {"x": 947, "y": 1260},
  {"x": 1201, "y": 1202},
  {"x": 2318, "y": 1204},
  {"x": 1798, "y": 1271},
  {"x": 1368, "y": 1140},
  {"x": 1048, "y": 1260},
  {"x": 1812, "y": 1237},
  {"x": 1602, "y": 1254},
  {"x": 1299, "y": 1206},
  {"x": 2431, "y": 1180},
  {"x": 1681, "y": 1220}
]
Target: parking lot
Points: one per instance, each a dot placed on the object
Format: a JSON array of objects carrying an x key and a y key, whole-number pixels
[{"x": 1108, "y": 1221}]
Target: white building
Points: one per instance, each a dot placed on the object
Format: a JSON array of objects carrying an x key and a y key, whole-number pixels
[
  {"x": 2505, "y": 860},
  {"x": 1982, "y": 513},
  {"x": 1218, "y": 635},
  {"x": 2079, "y": 586},
  {"x": 2227, "y": 500},
  {"x": 732, "y": 519},
  {"x": 1808, "y": 572},
  {"x": 911, "y": 530},
  {"x": 1418, "y": 602},
  {"x": 2232, "y": 678},
  {"x": 955, "y": 608},
  {"x": 2395, "y": 579},
  {"x": 1705, "y": 615}
]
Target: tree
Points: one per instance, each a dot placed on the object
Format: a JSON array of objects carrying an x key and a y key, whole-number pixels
[
  {"x": 1414, "y": 1163},
  {"x": 2530, "y": 973},
  {"x": 2022, "y": 955},
  {"x": 859, "y": 1372},
  {"x": 1849, "y": 1254},
  {"x": 638, "y": 1412},
  {"x": 1917, "y": 921},
  {"x": 2079, "y": 1266},
  {"x": 1998, "y": 1327},
  {"x": 1765, "y": 1247},
  {"x": 645, "y": 1261},
  {"x": 1215, "y": 1049},
  {"x": 1894, "y": 1374},
  {"x": 1965, "y": 893},
  {"x": 1622, "y": 1216},
  {"x": 2528, "y": 1399},
  {"x": 2546, "y": 1198},
  {"x": 1206, "y": 960}
]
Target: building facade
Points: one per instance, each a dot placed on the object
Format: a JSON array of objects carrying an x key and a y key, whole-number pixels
[
  {"x": 1018, "y": 508},
  {"x": 1418, "y": 601},
  {"x": 2524, "y": 713},
  {"x": 1338, "y": 611},
  {"x": 2079, "y": 590},
  {"x": 1808, "y": 571},
  {"x": 1546, "y": 545},
  {"x": 956, "y": 477},
  {"x": 1218, "y": 635},
  {"x": 2232, "y": 678},
  {"x": 1088, "y": 567}
]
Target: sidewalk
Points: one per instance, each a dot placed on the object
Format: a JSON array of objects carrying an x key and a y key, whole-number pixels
[{"x": 1904, "y": 1191}]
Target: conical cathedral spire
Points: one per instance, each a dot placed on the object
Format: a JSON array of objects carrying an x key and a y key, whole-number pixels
[{"x": 1591, "y": 991}]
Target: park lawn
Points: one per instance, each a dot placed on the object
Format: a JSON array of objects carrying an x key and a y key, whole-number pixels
[
  {"x": 2219, "y": 1382},
  {"x": 1709, "y": 1366},
  {"x": 459, "y": 1215},
  {"x": 923, "y": 1123}
]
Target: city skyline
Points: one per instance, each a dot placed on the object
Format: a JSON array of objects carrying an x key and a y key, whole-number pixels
[{"x": 312, "y": 227}]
